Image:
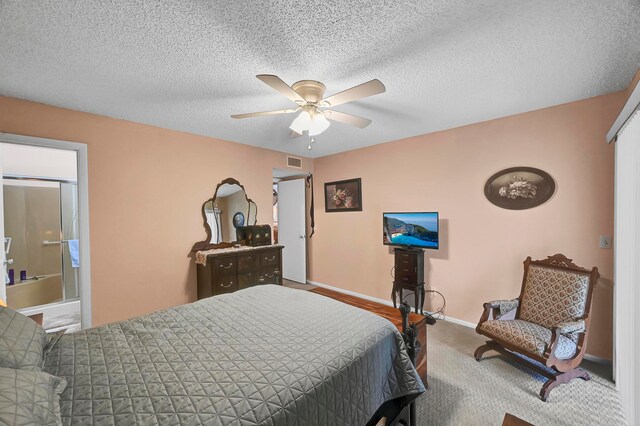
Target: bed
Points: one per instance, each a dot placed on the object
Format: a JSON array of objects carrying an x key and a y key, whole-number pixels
[{"x": 267, "y": 355}]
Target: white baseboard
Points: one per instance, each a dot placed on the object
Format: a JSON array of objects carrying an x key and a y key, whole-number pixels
[
  {"x": 597, "y": 359},
  {"x": 461, "y": 322},
  {"x": 464, "y": 323}
]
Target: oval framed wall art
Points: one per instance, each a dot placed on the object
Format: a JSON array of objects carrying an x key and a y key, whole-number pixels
[{"x": 519, "y": 188}]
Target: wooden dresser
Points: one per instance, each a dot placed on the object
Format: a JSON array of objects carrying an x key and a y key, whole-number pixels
[{"x": 227, "y": 270}]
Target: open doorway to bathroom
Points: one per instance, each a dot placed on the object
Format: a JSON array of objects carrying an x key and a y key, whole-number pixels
[{"x": 41, "y": 223}]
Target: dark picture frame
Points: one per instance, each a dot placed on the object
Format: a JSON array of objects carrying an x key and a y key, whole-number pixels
[
  {"x": 343, "y": 196},
  {"x": 238, "y": 220},
  {"x": 519, "y": 188}
]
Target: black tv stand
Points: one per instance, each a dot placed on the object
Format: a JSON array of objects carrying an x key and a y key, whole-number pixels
[{"x": 409, "y": 275}]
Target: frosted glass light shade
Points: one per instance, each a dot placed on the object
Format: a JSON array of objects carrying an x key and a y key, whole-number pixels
[
  {"x": 318, "y": 125},
  {"x": 301, "y": 122}
]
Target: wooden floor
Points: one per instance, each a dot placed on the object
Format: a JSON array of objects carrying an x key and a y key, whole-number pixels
[{"x": 294, "y": 284}]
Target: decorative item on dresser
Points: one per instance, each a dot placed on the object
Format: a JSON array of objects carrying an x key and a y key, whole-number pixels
[
  {"x": 226, "y": 270},
  {"x": 409, "y": 275},
  {"x": 254, "y": 235}
]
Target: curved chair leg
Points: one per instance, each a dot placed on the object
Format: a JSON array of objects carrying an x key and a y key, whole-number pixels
[
  {"x": 562, "y": 379},
  {"x": 489, "y": 346}
]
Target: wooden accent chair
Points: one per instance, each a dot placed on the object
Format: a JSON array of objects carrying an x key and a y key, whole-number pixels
[{"x": 551, "y": 323}]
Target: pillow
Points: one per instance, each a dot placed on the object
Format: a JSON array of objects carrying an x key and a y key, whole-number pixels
[
  {"x": 30, "y": 397},
  {"x": 22, "y": 341}
]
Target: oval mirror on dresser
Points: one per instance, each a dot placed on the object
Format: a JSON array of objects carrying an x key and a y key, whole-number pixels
[{"x": 229, "y": 208}]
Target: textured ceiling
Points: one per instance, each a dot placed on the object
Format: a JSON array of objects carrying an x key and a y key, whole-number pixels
[{"x": 188, "y": 65}]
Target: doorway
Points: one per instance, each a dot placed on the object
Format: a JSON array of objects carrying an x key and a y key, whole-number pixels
[
  {"x": 289, "y": 217},
  {"x": 44, "y": 225}
]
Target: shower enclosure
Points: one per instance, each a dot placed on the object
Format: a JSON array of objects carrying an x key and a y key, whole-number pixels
[{"x": 41, "y": 241}]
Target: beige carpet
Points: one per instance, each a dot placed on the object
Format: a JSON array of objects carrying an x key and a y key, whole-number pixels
[{"x": 465, "y": 392}]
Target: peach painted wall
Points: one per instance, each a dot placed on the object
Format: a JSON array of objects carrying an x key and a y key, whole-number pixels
[
  {"x": 146, "y": 187},
  {"x": 482, "y": 246}
]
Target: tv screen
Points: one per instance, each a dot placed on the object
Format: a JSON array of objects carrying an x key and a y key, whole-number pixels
[{"x": 418, "y": 230}]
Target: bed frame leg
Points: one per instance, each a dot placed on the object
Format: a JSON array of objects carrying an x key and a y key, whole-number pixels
[{"x": 409, "y": 335}]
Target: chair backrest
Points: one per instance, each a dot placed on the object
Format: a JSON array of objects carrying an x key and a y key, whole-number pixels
[{"x": 555, "y": 290}]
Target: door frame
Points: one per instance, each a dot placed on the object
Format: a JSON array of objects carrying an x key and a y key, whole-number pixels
[{"x": 83, "y": 210}]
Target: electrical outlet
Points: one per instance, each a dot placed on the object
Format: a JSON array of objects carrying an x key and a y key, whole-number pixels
[{"x": 605, "y": 241}]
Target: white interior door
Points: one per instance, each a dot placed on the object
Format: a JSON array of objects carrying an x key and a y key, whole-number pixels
[
  {"x": 292, "y": 229},
  {"x": 3, "y": 256}
]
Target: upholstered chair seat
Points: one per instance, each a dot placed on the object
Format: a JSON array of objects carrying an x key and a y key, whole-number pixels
[
  {"x": 548, "y": 323},
  {"x": 528, "y": 337}
]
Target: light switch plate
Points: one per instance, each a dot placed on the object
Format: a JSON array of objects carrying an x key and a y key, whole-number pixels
[{"x": 605, "y": 241}]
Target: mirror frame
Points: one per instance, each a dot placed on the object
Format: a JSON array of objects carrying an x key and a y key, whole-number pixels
[{"x": 206, "y": 244}]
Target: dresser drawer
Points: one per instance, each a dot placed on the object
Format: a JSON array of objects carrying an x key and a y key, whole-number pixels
[
  {"x": 248, "y": 279},
  {"x": 248, "y": 262},
  {"x": 403, "y": 279},
  {"x": 270, "y": 276},
  {"x": 269, "y": 258},
  {"x": 403, "y": 270},
  {"x": 225, "y": 265},
  {"x": 405, "y": 260},
  {"x": 224, "y": 284}
]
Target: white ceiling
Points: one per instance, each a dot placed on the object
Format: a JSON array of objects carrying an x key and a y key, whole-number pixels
[{"x": 188, "y": 65}]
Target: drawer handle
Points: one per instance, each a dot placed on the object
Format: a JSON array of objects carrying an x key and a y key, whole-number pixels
[
  {"x": 228, "y": 285},
  {"x": 270, "y": 259},
  {"x": 228, "y": 266}
]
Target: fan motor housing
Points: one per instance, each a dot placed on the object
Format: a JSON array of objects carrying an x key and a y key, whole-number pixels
[{"x": 311, "y": 91}]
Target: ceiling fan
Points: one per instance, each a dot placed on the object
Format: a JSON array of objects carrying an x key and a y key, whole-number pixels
[{"x": 308, "y": 96}]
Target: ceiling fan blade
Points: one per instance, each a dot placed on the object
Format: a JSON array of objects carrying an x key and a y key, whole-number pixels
[
  {"x": 363, "y": 90},
  {"x": 349, "y": 119},
  {"x": 294, "y": 134},
  {"x": 276, "y": 82},
  {"x": 260, "y": 114}
]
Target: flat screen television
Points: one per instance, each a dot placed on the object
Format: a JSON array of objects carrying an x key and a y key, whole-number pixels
[{"x": 411, "y": 229}]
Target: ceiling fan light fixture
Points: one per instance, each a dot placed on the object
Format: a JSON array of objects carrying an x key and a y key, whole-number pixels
[
  {"x": 318, "y": 124},
  {"x": 301, "y": 122}
]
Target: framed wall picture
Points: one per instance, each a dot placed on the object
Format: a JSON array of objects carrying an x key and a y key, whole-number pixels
[
  {"x": 343, "y": 196},
  {"x": 519, "y": 188}
]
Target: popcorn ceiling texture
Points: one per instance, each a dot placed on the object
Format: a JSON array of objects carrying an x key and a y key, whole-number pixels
[{"x": 189, "y": 65}]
